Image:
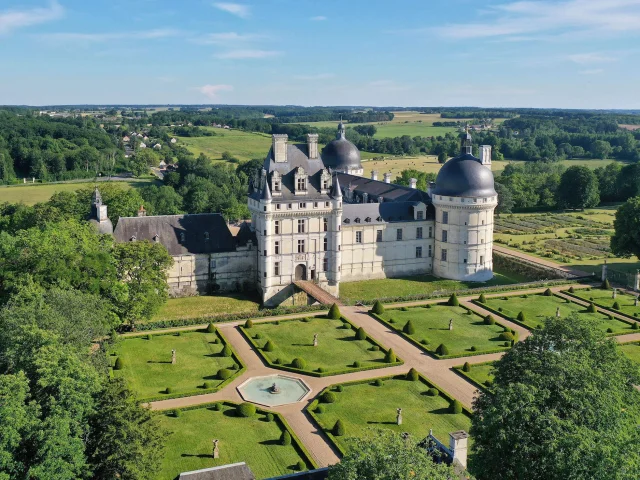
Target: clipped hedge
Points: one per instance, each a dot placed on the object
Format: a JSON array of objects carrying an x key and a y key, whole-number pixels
[
  {"x": 285, "y": 438},
  {"x": 334, "y": 312},
  {"x": 246, "y": 410},
  {"x": 378, "y": 308},
  {"x": 409, "y": 328},
  {"x": 413, "y": 375},
  {"x": 361, "y": 334},
  {"x": 453, "y": 300},
  {"x": 338, "y": 429}
]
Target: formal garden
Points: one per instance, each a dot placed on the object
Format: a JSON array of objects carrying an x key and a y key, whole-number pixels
[
  {"x": 259, "y": 438},
  {"x": 317, "y": 346},
  {"x": 530, "y": 310},
  {"x": 353, "y": 409},
  {"x": 170, "y": 365},
  {"x": 632, "y": 351},
  {"x": 447, "y": 329},
  {"x": 480, "y": 374},
  {"x": 619, "y": 302}
]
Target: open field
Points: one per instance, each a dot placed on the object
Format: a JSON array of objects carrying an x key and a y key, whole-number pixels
[
  {"x": 36, "y": 193},
  {"x": 198, "y": 306},
  {"x": 371, "y": 290},
  {"x": 632, "y": 350},
  {"x": 605, "y": 298},
  {"x": 337, "y": 348},
  {"x": 252, "y": 440},
  {"x": 241, "y": 145},
  {"x": 147, "y": 363},
  {"x": 365, "y": 406},
  {"x": 431, "y": 324},
  {"x": 537, "y": 307}
]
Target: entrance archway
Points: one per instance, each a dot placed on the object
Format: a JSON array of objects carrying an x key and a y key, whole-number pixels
[{"x": 301, "y": 272}]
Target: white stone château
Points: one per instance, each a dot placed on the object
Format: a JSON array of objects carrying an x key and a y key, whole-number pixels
[{"x": 315, "y": 218}]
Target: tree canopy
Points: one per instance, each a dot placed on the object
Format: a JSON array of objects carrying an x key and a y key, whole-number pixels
[
  {"x": 626, "y": 239},
  {"x": 578, "y": 188}
]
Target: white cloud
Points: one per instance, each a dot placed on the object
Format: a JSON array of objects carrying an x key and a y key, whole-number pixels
[
  {"x": 319, "y": 76},
  {"x": 237, "y": 9},
  {"x": 71, "y": 37},
  {"x": 212, "y": 91},
  {"x": 227, "y": 38},
  {"x": 11, "y": 20},
  {"x": 593, "y": 57},
  {"x": 243, "y": 54},
  {"x": 319, "y": 18}
]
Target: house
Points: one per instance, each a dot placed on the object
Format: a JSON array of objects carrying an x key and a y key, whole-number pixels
[
  {"x": 157, "y": 146},
  {"x": 173, "y": 140},
  {"x": 142, "y": 145}
]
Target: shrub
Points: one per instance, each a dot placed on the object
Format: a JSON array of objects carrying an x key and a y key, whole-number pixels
[
  {"x": 375, "y": 348},
  {"x": 489, "y": 320},
  {"x": 168, "y": 390},
  {"x": 500, "y": 309},
  {"x": 269, "y": 417},
  {"x": 390, "y": 356},
  {"x": 176, "y": 413},
  {"x": 610, "y": 317},
  {"x": 404, "y": 309},
  {"x": 285, "y": 438},
  {"x": 606, "y": 285},
  {"x": 378, "y": 382},
  {"x": 248, "y": 324},
  {"x": 216, "y": 341},
  {"x": 571, "y": 290},
  {"x": 508, "y": 344},
  {"x": 488, "y": 383},
  {"x": 208, "y": 385},
  {"x": 635, "y": 326},
  {"x": 234, "y": 367},
  {"x": 412, "y": 375},
  {"x": 482, "y": 298},
  {"x": 300, "y": 466},
  {"x": 433, "y": 392},
  {"x": 361, "y": 334},
  {"x": 346, "y": 326},
  {"x": 442, "y": 349},
  {"x": 319, "y": 409},
  {"x": 224, "y": 374},
  {"x": 278, "y": 361},
  {"x": 320, "y": 370},
  {"x": 119, "y": 364},
  {"x": 339, "y": 388},
  {"x": 548, "y": 293},
  {"x": 217, "y": 407},
  {"x": 378, "y": 308},
  {"x": 299, "y": 363},
  {"x": 455, "y": 407},
  {"x": 334, "y": 312},
  {"x": 592, "y": 308},
  {"x": 226, "y": 351},
  {"x": 328, "y": 397},
  {"x": 424, "y": 341},
  {"x": 428, "y": 305},
  {"x": 616, "y": 306},
  {"x": 149, "y": 336},
  {"x": 522, "y": 317},
  {"x": 473, "y": 348},
  {"x": 391, "y": 320},
  {"x": 258, "y": 336},
  {"x": 453, "y": 300},
  {"x": 211, "y": 328},
  {"x": 409, "y": 329},
  {"x": 466, "y": 367},
  {"x": 178, "y": 334},
  {"x": 268, "y": 347},
  {"x": 609, "y": 330},
  {"x": 357, "y": 364},
  {"x": 338, "y": 429},
  {"x": 246, "y": 409},
  {"x": 507, "y": 336}
]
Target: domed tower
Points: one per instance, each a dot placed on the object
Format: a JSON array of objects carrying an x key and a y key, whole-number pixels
[
  {"x": 464, "y": 198},
  {"x": 341, "y": 155}
]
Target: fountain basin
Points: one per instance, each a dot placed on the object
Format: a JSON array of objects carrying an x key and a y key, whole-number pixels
[{"x": 259, "y": 390}]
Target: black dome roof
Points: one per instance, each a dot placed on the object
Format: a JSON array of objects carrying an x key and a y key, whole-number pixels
[
  {"x": 465, "y": 176},
  {"x": 341, "y": 153}
]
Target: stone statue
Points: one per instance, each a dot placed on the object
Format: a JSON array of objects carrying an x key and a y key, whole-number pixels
[
  {"x": 173, "y": 357},
  {"x": 315, "y": 339},
  {"x": 558, "y": 312},
  {"x": 451, "y": 324},
  {"x": 615, "y": 293},
  {"x": 399, "y": 416},
  {"x": 635, "y": 302},
  {"x": 216, "y": 450}
]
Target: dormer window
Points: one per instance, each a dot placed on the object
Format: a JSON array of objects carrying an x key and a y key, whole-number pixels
[
  {"x": 301, "y": 180},
  {"x": 181, "y": 237},
  {"x": 325, "y": 181},
  {"x": 346, "y": 220},
  {"x": 276, "y": 183},
  {"x": 302, "y": 184},
  {"x": 357, "y": 220},
  {"x": 368, "y": 219},
  {"x": 156, "y": 238},
  {"x": 133, "y": 239},
  {"x": 379, "y": 219}
]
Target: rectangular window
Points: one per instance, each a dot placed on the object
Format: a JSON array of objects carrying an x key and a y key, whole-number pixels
[
  {"x": 276, "y": 248},
  {"x": 481, "y": 260},
  {"x": 276, "y": 268},
  {"x": 301, "y": 226},
  {"x": 302, "y": 206},
  {"x": 302, "y": 184},
  {"x": 399, "y": 234},
  {"x": 419, "y": 233},
  {"x": 277, "y": 206},
  {"x": 289, "y": 206},
  {"x": 445, "y": 235},
  {"x": 315, "y": 204},
  {"x": 300, "y": 246},
  {"x": 325, "y": 264},
  {"x": 358, "y": 237},
  {"x": 443, "y": 255},
  {"x": 430, "y": 232},
  {"x": 420, "y": 215},
  {"x": 325, "y": 224},
  {"x": 326, "y": 204},
  {"x": 445, "y": 218},
  {"x": 465, "y": 260},
  {"x": 418, "y": 252},
  {"x": 378, "y": 235},
  {"x": 276, "y": 226},
  {"x": 265, "y": 253},
  {"x": 429, "y": 251},
  {"x": 276, "y": 186},
  {"x": 326, "y": 244}
]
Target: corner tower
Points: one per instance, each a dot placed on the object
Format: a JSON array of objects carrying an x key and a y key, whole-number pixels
[{"x": 464, "y": 198}]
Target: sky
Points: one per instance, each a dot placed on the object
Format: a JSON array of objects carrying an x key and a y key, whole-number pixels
[{"x": 502, "y": 53}]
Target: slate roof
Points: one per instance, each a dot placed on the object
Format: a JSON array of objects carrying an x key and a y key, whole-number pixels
[
  {"x": 379, "y": 213},
  {"x": 234, "y": 471},
  {"x": 341, "y": 153},
  {"x": 180, "y": 234},
  {"x": 375, "y": 189},
  {"x": 465, "y": 176}
]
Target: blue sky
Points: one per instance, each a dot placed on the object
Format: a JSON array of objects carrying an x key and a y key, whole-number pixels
[{"x": 503, "y": 53}]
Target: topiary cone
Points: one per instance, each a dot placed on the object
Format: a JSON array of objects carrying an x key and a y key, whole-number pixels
[
  {"x": 390, "y": 356},
  {"x": 378, "y": 308},
  {"x": 268, "y": 347},
  {"x": 119, "y": 364},
  {"x": 334, "y": 312},
  {"x": 211, "y": 328},
  {"x": 361, "y": 334},
  {"x": 466, "y": 367},
  {"x": 338, "y": 429},
  {"x": 409, "y": 329},
  {"x": 482, "y": 298},
  {"x": 453, "y": 300}
]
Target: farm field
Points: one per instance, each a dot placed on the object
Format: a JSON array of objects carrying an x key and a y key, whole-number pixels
[
  {"x": 482, "y": 373},
  {"x": 337, "y": 348},
  {"x": 252, "y": 440},
  {"x": 365, "y": 406},
  {"x": 431, "y": 325},
  {"x": 371, "y": 290},
  {"x": 241, "y": 145},
  {"x": 632, "y": 351},
  {"x": 537, "y": 307},
  {"x": 605, "y": 298},
  {"x": 147, "y": 363},
  {"x": 199, "y": 306}
]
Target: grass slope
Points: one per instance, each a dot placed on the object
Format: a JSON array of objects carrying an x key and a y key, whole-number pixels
[
  {"x": 241, "y": 145},
  {"x": 192, "y": 307}
]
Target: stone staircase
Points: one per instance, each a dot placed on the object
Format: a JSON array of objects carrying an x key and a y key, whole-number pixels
[{"x": 316, "y": 292}]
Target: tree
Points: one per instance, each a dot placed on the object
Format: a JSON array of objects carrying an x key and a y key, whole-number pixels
[
  {"x": 626, "y": 239},
  {"x": 422, "y": 178},
  {"x": 384, "y": 455},
  {"x": 600, "y": 149},
  {"x": 608, "y": 182},
  {"x": 578, "y": 189},
  {"x": 442, "y": 157},
  {"x": 533, "y": 426},
  {"x": 505, "y": 199}
]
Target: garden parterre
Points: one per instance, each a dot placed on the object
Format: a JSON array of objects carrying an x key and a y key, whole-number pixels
[{"x": 605, "y": 298}]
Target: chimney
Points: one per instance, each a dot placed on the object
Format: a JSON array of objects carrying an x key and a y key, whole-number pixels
[
  {"x": 374, "y": 175},
  {"x": 279, "y": 145},
  {"x": 141, "y": 211},
  {"x": 458, "y": 446},
  {"x": 387, "y": 178},
  {"x": 413, "y": 183},
  {"x": 312, "y": 143},
  {"x": 485, "y": 155}
]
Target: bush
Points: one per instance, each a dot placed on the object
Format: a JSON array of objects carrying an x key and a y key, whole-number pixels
[
  {"x": 489, "y": 320},
  {"x": 119, "y": 364},
  {"x": 299, "y": 363},
  {"x": 248, "y": 324},
  {"x": 609, "y": 330},
  {"x": 300, "y": 466},
  {"x": 321, "y": 370},
  {"x": 424, "y": 341},
  {"x": 346, "y": 326},
  {"x": 413, "y": 375},
  {"x": 378, "y": 308},
  {"x": 571, "y": 290},
  {"x": 453, "y": 300},
  {"x": 226, "y": 351},
  {"x": 176, "y": 413},
  {"x": 616, "y": 306},
  {"x": 634, "y": 326},
  {"x": 442, "y": 349},
  {"x": 207, "y": 385},
  {"x": 339, "y": 388},
  {"x": 500, "y": 309},
  {"x": 268, "y": 347},
  {"x": 508, "y": 344},
  {"x": 269, "y": 417},
  {"x": 217, "y": 407},
  {"x": 168, "y": 390},
  {"x": 338, "y": 429},
  {"x": 378, "y": 382},
  {"x": 375, "y": 348},
  {"x": 455, "y": 407},
  {"x": 404, "y": 309},
  {"x": 216, "y": 341},
  {"x": 211, "y": 328},
  {"x": 482, "y": 298},
  {"x": 409, "y": 329},
  {"x": 328, "y": 397},
  {"x": 257, "y": 336},
  {"x": 361, "y": 334},
  {"x": 334, "y": 312},
  {"x": 390, "y": 356},
  {"x": 473, "y": 348},
  {"x": 224, "y": 374},
  {"x": 285, "y": 438},
  {"x": 178, "y": 334},
  {"x": 319, "y": 409},
  {"x": 278, "y": 361},
  {"x": 606, "y": 285},
  {"x": 433, "y": 392},
  {"x": 149, "y": 336},
  {"x": 357, "y": 364},
  {"x": 488, "y": 383},
  {"x": 548, "y": 293},
  {"x": 522, "y": 317},
  {"x": 466, "y": 367},
  {"x": 246, "y": 410},
  {"x": 592, "y": 308},
  {"x": 507, "y": 336}
]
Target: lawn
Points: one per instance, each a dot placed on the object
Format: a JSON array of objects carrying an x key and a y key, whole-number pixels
[
  {"x": 604, "y": 298},
  {"x": 252, "y": 440},
  {"x": 431, "y": 324},
  {"x": 538, "y": 307},
  {"x": 371, "y": 290},
  {"x": 481, "y": 373},
  {"x": 199, "y": 306},
  {"x": 148, "y": 369},
  {"x": 632, "y": 350},
  {"x": 365, "y": 406},
  {"x": 337, "y": 348},
  {"x": 241, "y": 145}
]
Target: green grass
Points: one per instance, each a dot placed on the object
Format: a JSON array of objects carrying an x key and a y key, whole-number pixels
[
  {"x": 364, "y": 406},
  {"x": 337, "y": 347},
  {"x": 371, "y": 290},
  {"x": 147, "y": 363},
  {"x": 604, "y": 297},
  {"x": 481, "y": 373},
  {"x": 241, "y": 145},
  {"x": 192, "y": 307},
  {"x": 432, "y": 324},
  {"x": 538, "y": 307},
  {"x": 251, "y": 440},
  {"x": 632, "y": 350}
]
